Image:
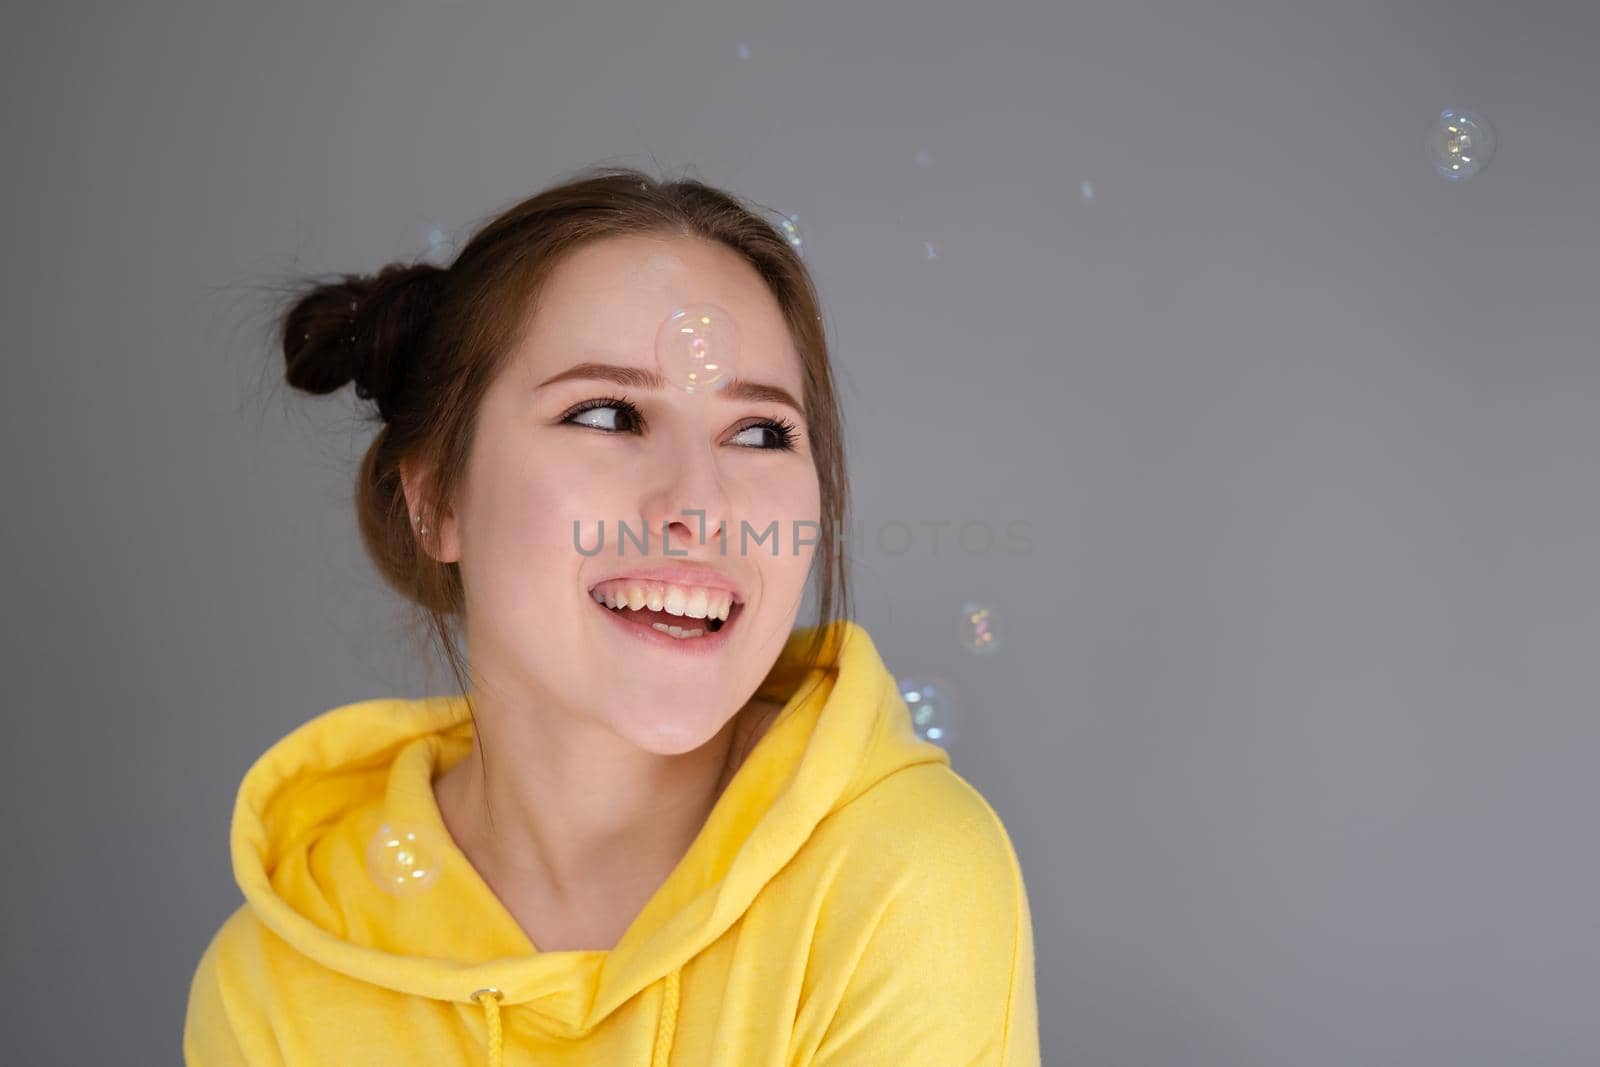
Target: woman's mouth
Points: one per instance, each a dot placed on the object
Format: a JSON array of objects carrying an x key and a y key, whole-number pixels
[{"x": 678, "y": 614}]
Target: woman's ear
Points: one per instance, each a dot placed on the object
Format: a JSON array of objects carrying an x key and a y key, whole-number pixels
[{"x": 436, "y": 534}]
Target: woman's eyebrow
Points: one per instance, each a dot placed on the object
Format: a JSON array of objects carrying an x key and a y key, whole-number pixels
[{"x": 646, "y": 378}]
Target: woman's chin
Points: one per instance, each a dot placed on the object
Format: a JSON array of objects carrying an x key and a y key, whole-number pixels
[{"x": 670, "y": 731}]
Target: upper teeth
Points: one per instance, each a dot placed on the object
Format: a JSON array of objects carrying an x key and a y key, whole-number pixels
[{"x": 692, "y": 601}]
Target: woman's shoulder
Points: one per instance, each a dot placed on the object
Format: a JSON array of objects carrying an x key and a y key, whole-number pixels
[
  {"x": 917, "y": 831},
  {"x": 245, "y": 953},
  {"x": 241, "y": 950},
  {"x": 223, "y": 1000},
  {"x": 921, "y": 914}
]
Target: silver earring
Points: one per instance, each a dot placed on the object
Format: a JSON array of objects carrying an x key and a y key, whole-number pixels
[{"x": 422, "y": 529}]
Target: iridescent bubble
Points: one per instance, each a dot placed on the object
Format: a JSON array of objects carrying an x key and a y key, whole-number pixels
[
  {"x": 404, "y": 859},
  {"x": 980, "y": 633},
  {"x": 1459, "y": 144},
  {"x": 697, "y": 347},
  {"x": 436, "y": 244},
  {"x": 932, "y": 701},
  {"x": 930, "y": 250},
  {"x": 789, "y": 226}
]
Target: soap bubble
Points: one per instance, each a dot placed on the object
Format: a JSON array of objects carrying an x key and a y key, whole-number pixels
[
  {"x": 932, "y": 701},
  {"x": 404, "y": 859},
  {"x": 980, "y": 633},
  {"x": 930, "y": 250},
  {"x": 697, "y": 347},
  {"x": 1459, "y": 144},
  {"x": 744, "y": 51},
  {"x": 789, "y": 226},
  {"x": 435, "y": 243},
  {"x": 1086, "y": 190}
]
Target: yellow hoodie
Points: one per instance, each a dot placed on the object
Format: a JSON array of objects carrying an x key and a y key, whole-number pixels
[{"x": 850, "y": 902}]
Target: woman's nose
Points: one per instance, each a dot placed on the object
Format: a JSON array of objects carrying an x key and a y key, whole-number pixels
[{"x": 689, "y": 507}]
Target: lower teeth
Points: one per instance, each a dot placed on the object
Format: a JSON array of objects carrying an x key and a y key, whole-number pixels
[{"x": 675, "y": 631}]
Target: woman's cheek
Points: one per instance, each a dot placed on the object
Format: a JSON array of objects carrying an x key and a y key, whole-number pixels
[{"x": 566, "y": 513}]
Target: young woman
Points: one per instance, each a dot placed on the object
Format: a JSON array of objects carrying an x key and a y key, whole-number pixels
[{"x": 660, "y": 824}]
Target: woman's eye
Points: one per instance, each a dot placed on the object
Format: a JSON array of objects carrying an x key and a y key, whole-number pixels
[
  {"x": 620, "y": 416},
  {"x": 758, "y": 436},
  {"x": 609, "y": 417}
]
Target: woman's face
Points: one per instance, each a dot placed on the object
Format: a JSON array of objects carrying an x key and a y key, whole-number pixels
[{"x": 539, "y": 466}]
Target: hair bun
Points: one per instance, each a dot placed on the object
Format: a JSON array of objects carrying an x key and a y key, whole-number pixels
[{"x": 362, "y": 329}]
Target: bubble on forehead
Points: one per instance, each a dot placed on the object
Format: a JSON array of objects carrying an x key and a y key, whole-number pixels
[{"x": 697, "y": 348}]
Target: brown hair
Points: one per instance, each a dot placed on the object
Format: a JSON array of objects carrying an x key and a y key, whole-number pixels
[{"x": 424, "y": 342}]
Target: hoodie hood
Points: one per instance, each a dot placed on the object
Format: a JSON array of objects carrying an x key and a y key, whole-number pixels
[{"x": 308, "y": 807}]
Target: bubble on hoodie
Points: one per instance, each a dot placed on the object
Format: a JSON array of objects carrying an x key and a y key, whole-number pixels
[
  {"x": 697, "y": 347},
  {"x": 404, "y": 859},
  {"x": 979, "y": 628},
  {"x": 932, "y": 701}
]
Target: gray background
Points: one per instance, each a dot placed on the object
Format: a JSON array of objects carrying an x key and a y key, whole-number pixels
[{"x": 1295, "y": 723}]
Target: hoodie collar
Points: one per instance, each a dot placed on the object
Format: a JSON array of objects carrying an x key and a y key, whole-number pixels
[{"x": 306, "y": 808}]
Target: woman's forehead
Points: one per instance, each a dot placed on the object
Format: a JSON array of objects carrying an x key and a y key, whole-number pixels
[{"x": 607, "y": 302}]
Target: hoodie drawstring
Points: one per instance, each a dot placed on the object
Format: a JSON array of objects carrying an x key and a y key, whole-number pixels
[
  {"x": 666, "y": 1026},
  {"x": 491, "y": 1018}
]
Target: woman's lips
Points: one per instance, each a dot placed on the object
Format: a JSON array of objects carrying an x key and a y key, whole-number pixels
[{"x": 632, "y": 624}]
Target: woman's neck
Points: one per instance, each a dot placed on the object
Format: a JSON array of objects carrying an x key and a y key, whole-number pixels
[{"x": 587, "y": 845}]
